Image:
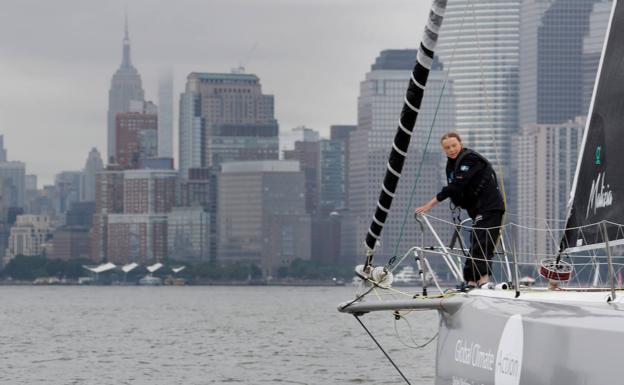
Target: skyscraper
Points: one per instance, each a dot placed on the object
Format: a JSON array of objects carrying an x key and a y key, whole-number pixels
[
  {"x": 548, "y": 154},
  {"x": 379, "y": 106},
  {"x": 93, "y": 165},
  {"x": 592, "y": 48},
  {"x": 3, "y": 153},
  {"x": 479, "y": 47},
  {"x": 225, "y": 117},
  {"x": 553, "y": 40},
  {"x": 125, "y": 87},
  {"x": 165, "y": 115}
]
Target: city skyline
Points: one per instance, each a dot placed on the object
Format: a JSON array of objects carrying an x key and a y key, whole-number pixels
[{"x": 65, "y": 50}]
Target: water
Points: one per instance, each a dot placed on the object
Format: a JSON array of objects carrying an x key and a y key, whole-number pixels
[{"x": 201, "y": 335}]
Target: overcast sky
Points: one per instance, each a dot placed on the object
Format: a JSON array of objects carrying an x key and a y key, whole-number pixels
[{"x": 57, "y": 58}]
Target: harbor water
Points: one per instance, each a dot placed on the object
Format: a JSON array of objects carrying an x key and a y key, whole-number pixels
[{"x": 203, "y": 335}]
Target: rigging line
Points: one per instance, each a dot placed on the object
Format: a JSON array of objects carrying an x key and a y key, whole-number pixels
[
  {"x": 409, "y": 325},
  {"x": 382, "y": 349},
  {"x": 422, "y": 160}
]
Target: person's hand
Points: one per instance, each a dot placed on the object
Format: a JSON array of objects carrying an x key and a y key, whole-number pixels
[{"x": 423, "y": 209}]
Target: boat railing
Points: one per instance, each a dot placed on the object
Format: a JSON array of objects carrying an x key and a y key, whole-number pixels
[{"x": 521, "y": 249}]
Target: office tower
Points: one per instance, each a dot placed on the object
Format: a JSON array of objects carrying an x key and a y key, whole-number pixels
[
  {"x": 479, "y": 47},
  {"x": 548, "y": 155},
  {"x": 93, "y": 165},
  {"x": 331, "y": 175},
  {"x": 137, "y": 136},
  {"x": 379, "y": 106},
  {"x": 262, "y": 216},
  {"x": 165, "y": 115},
  {"x": 109, "y": 199},
  {"x": 3, "y": 152},
  {"x": 308, "y": 154},
  {"x": 341, "y": 132},
  {"x": 125, "y": 87},
  {"x": 188, "y": 234},
  {"x": 288, "y": 139},
  {"x": 12, "y": 178},
  {"x": 139, "y": 233},
  {"x": 67, "y": 186},
  {"x": 225, "y": 117},
  {"x": 592, "y": 49},
  {"x": 552, "y": 61}
]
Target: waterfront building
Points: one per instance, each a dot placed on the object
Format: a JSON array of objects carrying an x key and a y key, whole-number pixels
[
  {"x": 262, "y": 214},
  {"x": 70, "y": 242},
  {"x": 548, "y": 154},
  {"x": 125, "y": 87},
  {"x": 28, "y": 236},
  {"x": 189, "y": 235},
  {"x": 379, "y": 106},
  {"x": 130, "y": 224},
  {"x": 332, "y": 166},
  {"x": 341, "y": 132}
]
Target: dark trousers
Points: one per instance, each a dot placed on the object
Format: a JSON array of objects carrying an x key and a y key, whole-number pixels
[{"x": 485, "y": 234}]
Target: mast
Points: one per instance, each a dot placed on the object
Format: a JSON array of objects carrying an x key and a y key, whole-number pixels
[{"x": 409, "y": 114}]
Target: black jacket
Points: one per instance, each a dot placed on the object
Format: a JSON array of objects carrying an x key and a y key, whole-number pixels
[{"x": 472, "y": 184}]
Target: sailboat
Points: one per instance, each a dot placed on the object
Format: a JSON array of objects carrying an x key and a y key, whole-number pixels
[{"x": 513, "y": 334}]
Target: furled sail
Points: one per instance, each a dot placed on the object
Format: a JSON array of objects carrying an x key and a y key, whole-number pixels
[
  {"x": 597, "y": 200},
  {"x": 409, "y": 113}
]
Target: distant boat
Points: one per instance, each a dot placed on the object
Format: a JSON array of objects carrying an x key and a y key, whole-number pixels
[
  {"x": 407, "y": 276},
  {"x": 150, "y": 280}
]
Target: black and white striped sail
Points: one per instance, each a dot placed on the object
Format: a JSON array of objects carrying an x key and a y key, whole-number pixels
[
  {"x": 409, "y": 113},
  {"x": 597, "y": 203}
]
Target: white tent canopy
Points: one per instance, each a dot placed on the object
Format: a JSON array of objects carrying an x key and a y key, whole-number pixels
[
  {"x": 154, "y": 267},
  {"x": 129, "y": 267},
  {"x": 101, "y": 268}
]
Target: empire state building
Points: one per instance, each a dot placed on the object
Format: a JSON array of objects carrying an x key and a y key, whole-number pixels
[{"x": 125, "y": 87}]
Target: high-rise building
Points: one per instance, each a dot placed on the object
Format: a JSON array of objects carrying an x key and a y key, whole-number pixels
[
  {"x": 165, "y": 115},
  {"x": 379, "y": 106},
  {"x": 67, "y": 185},
  {"x": 125, "y": 87},
  {"x": 225, "y": 117},
  {"x": 341, "y": 132},
  {"x": 12, "y": 181},
  {"x": 130, "y": 224},
  {"x": 478, "y": 45},
  {"x": 308, "y": 154},
  {"x": 3, "y": 152},
  {"x": 592, "y": 48},
  {"x": 331, "y": 175},
  {"x": 137, "y": 138},
  {"x": 288, "y": 139},
  {"x": 188, "y": 234},
  {"x": 93, "y": 165},
  {"x": 262, "y": 216},
  {"x": 552, "y": 60},
  {"x": 548, "y": 154}
]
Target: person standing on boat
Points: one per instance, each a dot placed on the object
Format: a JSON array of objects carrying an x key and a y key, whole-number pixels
[{"x": 472, "y": 185}]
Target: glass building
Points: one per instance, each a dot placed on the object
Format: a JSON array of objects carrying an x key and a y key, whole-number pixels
[
  {"x": 479, "y": 46},
  {"x": 552, "y": 46}
]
